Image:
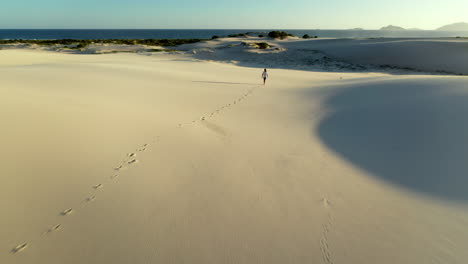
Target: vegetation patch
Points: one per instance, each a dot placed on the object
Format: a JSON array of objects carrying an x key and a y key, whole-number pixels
[
  {"x": 262, "y": 45},
  {"x": 237, "y": 35},
  {"x": 307, "y": 36},
  {"x": 122, "y": 51},
  {"x": 82, "y": 43},
  {"x": 161, "y": 50},
  {"x": 279, "y": 34}
]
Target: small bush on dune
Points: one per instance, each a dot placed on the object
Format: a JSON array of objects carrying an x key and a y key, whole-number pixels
[
  {"x": 279, "y": 34},
  {"x": 276, "y": 34},
  {"x": 306, "y": 36},
  {"x": 261, "y": 36},
  {"x": 215, "y": 37},
  {"x": 237, "y": 35},
  {"x": 161, "y": 50},
  {"x": 81, "y": 45},
  {"x": 262, "y": 45}
]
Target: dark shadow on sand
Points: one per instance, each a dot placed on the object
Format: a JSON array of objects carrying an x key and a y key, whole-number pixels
[{"x": 412, "y": 133}]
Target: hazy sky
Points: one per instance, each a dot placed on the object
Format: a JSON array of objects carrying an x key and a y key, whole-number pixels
[{"x": 229, "y": 14}]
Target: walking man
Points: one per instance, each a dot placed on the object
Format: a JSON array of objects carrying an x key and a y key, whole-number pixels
[{"x": 264, "y": 76}]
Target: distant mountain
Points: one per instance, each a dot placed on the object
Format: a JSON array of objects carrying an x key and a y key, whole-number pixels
[
  {"x": 392, "y": 28},
  {"x": 462, "y": 26},
  {"x": 415, "y": 29}
]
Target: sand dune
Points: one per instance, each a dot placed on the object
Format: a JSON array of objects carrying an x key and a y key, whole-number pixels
[{"x": 176, "y": 158}]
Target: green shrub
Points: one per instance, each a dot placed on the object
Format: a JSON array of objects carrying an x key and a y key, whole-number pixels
[
  {"x": 81, "y": 45},
  {"x": 161, "y": 50},
  {"x": 215, "y": 37},
  {"x": 306, "y": 36},
  {"x": 237, "y": 35},
  {"x": 262, "y": 45},
  {"x": 261, "y": 36},
  {"x": 279, "y": 34}
]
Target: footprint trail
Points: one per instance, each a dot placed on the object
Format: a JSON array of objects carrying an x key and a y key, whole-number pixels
[{"x": 20, "y": 247}]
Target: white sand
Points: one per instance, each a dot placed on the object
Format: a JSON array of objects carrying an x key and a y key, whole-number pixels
[{"x": 316, "y": 167}]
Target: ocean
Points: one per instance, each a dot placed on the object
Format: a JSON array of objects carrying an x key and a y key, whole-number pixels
[{"x": 208, "y": 33}]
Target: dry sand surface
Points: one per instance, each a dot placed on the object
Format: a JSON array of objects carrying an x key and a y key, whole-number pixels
[{"x": 175, "y": 158}]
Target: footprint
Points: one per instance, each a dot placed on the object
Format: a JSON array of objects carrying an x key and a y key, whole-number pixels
[
  {"x": 131, "y": 154},
  {"x": 67, "y": 212},
  {"x": 142, "y": 149},
  {"x": 99, "y": 186},
  {"x": 132, "y": 161},
  {"x": 54, "y": 228},
  {"x": 114, "y": 176},
  {"x": 90, "y": 199},
  {"x": 202, "y": 118},
  {"x": 118, "y": 168},
  {"x": 327, "y": 253},
  {"x": 325, "y": 202},
  {"x": 19, "y": 248}
]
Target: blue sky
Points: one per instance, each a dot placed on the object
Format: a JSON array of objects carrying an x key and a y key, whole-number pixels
[{"x": 239, "y": 14}]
